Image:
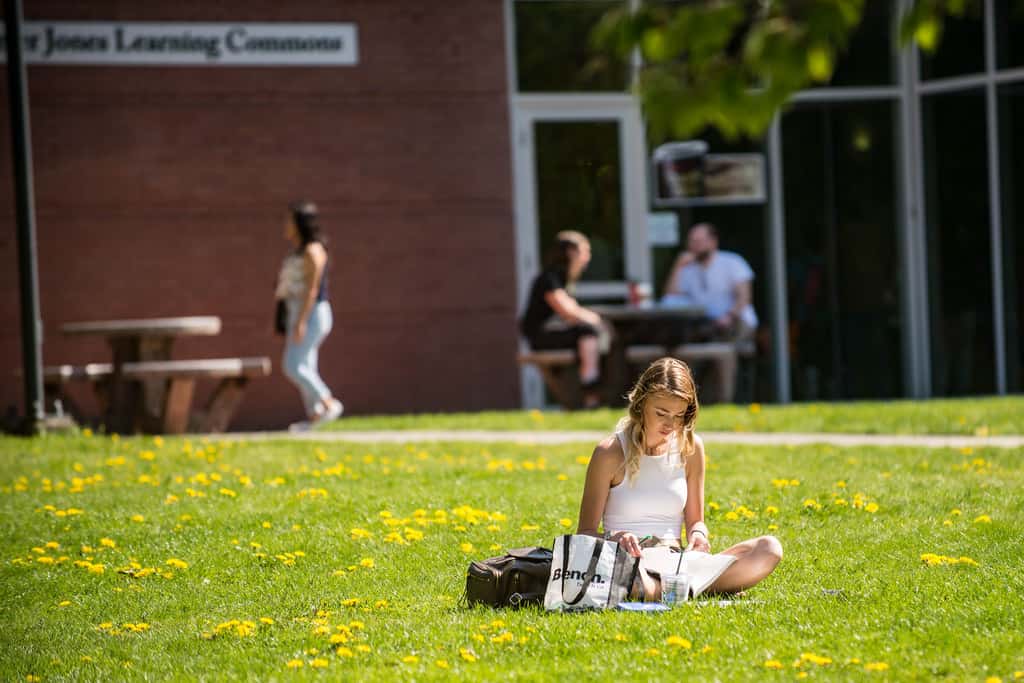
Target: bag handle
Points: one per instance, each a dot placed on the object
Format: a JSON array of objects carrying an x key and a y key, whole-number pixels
[{"x": 589, "y": 576}]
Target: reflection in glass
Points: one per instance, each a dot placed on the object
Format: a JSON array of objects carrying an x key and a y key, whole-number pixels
[
  {"x": 1011, "y": 132},
  {"x": 579, "y": 188},
  {"x": 842, "y": 259},
  {"x": 553, "y": 51},
  {"x": 1009, "y": 29},
  {"x": 961, "y": 49},
  {"x": 958, "y": 243}
]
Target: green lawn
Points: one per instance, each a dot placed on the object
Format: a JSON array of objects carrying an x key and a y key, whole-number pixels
[
  {"x": 290, "y": 544},
  {"x": 976, "y": 416}
]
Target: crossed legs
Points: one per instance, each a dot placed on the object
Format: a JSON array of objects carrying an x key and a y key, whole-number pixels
[{"x": 756, "y": 559}]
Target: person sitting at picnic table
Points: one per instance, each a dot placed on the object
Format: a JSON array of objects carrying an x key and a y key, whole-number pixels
[
  {"x": 645, "y": 483},
  {"x": 302, "y": 285},
  {"x": 554, "y": 319},
  {"x": 719, "y": 281}
]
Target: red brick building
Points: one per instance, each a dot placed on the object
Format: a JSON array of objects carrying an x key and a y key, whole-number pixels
[
  {"x": 456, "y": 143},
  {"x": 161, "y": 191}
]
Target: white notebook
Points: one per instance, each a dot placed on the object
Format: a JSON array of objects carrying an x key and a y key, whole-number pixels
[{"x": 703, "y": 568}]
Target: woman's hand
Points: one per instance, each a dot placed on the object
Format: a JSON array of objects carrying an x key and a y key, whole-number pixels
[
  {"x": 699, "y": 542},
  {"x": 628, "y": 542},
  {"x": 299, "y": 333}
]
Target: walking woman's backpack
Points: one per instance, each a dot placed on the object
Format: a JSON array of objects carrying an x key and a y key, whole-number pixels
[{"x": 520, "y": 577}]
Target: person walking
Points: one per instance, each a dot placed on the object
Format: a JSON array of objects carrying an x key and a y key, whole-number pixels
[{"x": 307, "y": 317}]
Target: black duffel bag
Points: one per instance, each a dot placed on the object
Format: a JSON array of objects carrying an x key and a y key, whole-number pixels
[{"x": 520, "y": 577}]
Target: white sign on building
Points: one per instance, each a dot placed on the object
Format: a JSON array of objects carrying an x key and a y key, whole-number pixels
[{"x": 188, "y": 44}]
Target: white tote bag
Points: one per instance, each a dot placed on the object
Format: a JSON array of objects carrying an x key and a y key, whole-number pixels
[{"x": 588, "y": 573}]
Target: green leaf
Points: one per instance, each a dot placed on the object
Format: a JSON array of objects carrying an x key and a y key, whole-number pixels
[
  {"x": 654, "y": 46},
  {"x": 927, "y": 33},
  {"x": 820, "y": 62}
]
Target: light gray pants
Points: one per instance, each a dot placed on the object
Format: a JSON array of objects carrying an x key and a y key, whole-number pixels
[{"x": 300, "y": 359}]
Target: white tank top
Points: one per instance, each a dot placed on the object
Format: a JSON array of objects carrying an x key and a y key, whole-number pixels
[{"x": 653, "y": 505}]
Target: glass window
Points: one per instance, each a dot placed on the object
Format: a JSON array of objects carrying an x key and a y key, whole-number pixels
[
  {"x": 961, "y": 48},
  {"x": 842, "y": 256},
  {"x": 1011, "y": 133},
  {"x": 958, "y": 244},
  {"x": 870, "y": 55},
  {"x": 553, "y": 52},
  {"x": 579, "y": 188},
  {"x": 1009, "y": 23}
]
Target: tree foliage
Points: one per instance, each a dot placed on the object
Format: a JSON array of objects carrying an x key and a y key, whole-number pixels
[{"x": 732, "y": 64}]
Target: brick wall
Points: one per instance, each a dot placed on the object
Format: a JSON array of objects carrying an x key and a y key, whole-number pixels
[{"x": 161, "y": 191}]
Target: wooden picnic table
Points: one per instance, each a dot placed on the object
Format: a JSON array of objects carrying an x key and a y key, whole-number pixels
[
  {"x": 131, "y": 403},
  {"x": 642, "y": 334}
]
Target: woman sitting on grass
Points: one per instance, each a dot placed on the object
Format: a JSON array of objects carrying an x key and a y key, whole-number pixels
[{"x": 646, "y": 482}]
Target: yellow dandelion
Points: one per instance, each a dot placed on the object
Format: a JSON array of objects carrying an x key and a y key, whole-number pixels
[
  {"x": 871, "y": 507},
  {"x": 562, "y": 477},
  {"x": 678, "y": 641},
  {"x": 176, "y": 563},
  {"x": 621, "y": 637},
  {"x": 108, "y": 543},
  {"x": 529, "y": 527},
  {"x": 982, "y": 519},
  {"x": 566, "y": 522},
  {"x": 467, "y": 654},
  {"x": 343, "y": 651},
  {"x": 773, "y": 664},
  {"x": 653, "y": 652},
  {"x": 771, "y": 510},
  {"x": 441, "y": 664},
  {"x": 366, "y": 562},
  {"x": 266, "y": 620},
  {"x": 294, "y": 664},
  {"x": 466, "y": 547},
  {"x": 876, "y": 666}
]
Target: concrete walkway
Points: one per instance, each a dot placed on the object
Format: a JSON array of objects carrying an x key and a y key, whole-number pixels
[{"x": 553, "y": 437}]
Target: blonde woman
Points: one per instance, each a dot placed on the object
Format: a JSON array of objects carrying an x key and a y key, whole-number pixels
[{"x": 645, "y": 483}]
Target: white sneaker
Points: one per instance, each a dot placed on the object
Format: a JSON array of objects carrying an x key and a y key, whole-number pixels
[{"x": 334, "y": 411}]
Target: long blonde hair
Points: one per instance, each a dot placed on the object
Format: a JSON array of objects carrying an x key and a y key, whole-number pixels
[{"x": 669, "y": 376}]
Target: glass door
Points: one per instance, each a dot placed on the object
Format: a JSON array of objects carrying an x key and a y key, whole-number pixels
[{"x": 580, "y": 165}]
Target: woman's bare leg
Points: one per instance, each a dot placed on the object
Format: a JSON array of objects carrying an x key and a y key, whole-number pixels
[
  {"x": 589, "y": 358},
  {"x": 757, "y": 558},
  {"x": 590, "y": 369}
]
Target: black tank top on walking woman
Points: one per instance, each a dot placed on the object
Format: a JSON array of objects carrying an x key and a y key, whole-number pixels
[{"x": 321, "y": 292}]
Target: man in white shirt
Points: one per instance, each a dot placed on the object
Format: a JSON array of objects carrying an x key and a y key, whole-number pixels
[{"x": 720, "y": 282}]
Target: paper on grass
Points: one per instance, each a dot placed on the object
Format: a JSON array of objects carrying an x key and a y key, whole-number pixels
[{"x": 703, "y": 568}]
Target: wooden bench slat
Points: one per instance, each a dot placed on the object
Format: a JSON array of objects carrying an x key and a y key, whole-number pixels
[
  {"x": 205, "y": 367},
  {"x": 548, "y": 357},
  {"x": 639, "y": 354},
  {"x": 704, "y": 350},
  {"x": 66, "y": 373}
]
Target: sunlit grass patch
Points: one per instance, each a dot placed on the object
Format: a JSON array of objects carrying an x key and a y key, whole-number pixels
[{"x": 348, "y": 560}]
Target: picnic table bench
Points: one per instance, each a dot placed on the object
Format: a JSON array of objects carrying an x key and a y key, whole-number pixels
[
  {"x": 632, "y": 350},
  {"x": 175, "y": 414},
  {"x": 143, "y": 388}
]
